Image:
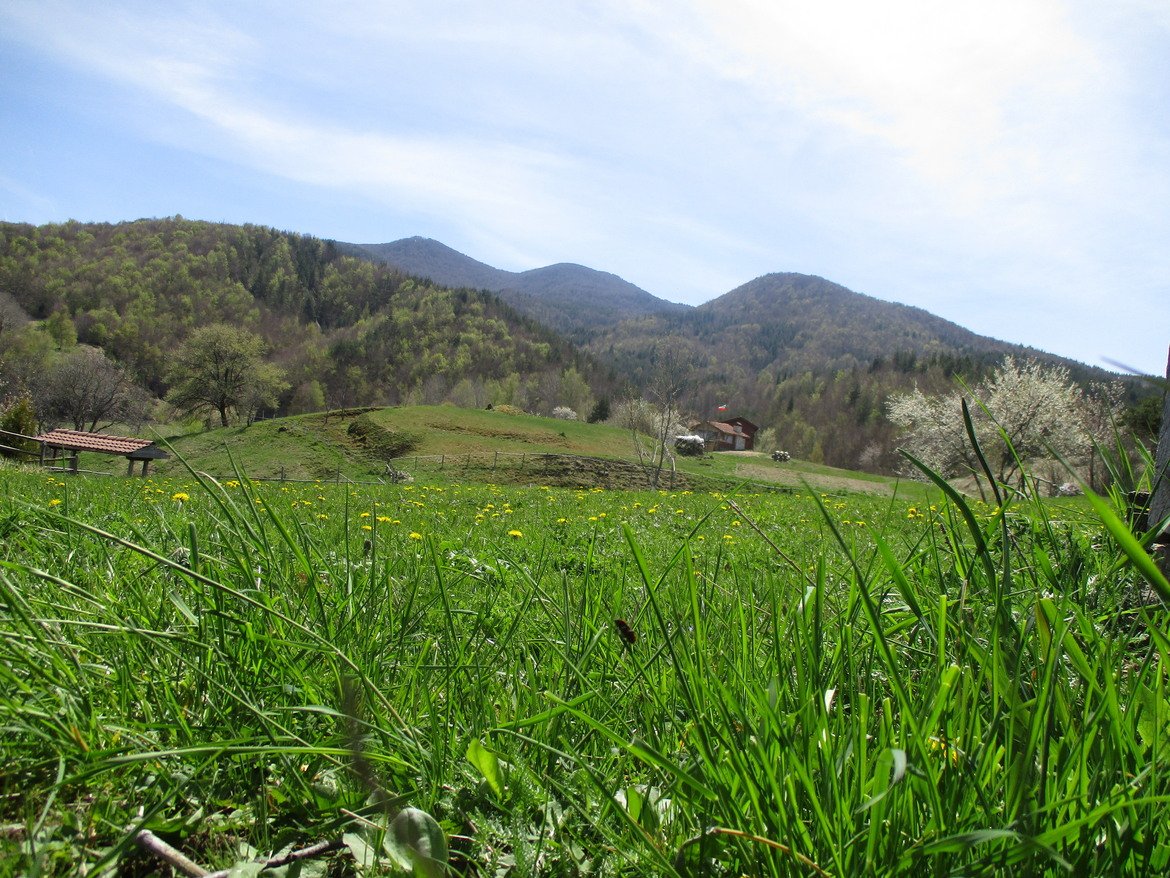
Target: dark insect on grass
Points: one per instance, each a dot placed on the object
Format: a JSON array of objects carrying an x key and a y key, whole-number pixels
[{"x": 628, "y": 634}]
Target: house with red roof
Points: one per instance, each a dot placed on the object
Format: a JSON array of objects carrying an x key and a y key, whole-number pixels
[{"x": 731, "y": 434}]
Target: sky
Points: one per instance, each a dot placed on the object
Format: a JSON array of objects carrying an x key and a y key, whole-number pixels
[{"x": 1004, "y": 164}]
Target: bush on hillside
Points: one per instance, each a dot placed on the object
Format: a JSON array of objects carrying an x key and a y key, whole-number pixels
[
  {"x": 600, "y": 411},
  {"x": 381, "y": 441},
  {"x": 18, "y": 416}
]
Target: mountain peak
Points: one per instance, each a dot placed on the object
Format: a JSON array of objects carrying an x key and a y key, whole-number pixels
[{"x": 567, "y": 296}]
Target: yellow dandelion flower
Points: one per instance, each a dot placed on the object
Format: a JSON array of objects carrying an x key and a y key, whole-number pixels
[
  {"x": 366, "y": 527},
  {"x": 180, "y": 496},
  {"x": 56, "y": 501},
  {"x": 515, "y": 534},
  {"x": 415, "y": 535},
  {"x": 945, "y": 748}
]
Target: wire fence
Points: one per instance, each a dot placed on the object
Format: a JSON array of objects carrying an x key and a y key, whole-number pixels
[
  {"x": 15, "y": 448},
  {"x": 557, "y": 467}
]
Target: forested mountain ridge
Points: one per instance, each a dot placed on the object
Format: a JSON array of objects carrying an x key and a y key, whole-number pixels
[
  {"x": 845, "y": 328},
  {"x": 784, "y": 320},
  {"x": 809, "y": 358},
  {"x": 346, "y": 331},
  {"x": 570, "y": 298},
  {"x": 434, "y": 260}
]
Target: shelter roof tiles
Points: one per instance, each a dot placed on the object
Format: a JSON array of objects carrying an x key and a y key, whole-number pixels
[{"x": 82, "y": 441}]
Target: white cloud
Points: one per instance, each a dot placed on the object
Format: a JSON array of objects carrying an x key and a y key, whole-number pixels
[
  {"x": 512, "y": 187},
  {"x": 947, "y": 155}
]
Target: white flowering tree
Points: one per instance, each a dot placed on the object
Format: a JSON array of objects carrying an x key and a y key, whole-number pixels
[{"x": 1023, "y": 412}]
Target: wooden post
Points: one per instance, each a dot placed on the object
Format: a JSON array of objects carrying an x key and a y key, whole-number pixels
[
  {"x": 1160, "y": 501},
  {"x": 130, "y": 469},
  {"x": 75, "y": 462}
]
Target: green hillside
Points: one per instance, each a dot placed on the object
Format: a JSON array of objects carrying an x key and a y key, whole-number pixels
[{"x": 437, "y": 444}]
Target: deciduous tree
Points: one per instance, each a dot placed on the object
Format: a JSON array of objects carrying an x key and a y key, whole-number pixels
[
  {"x": 654, "y": 420},
  {"x": 88, "y": 390},
  {"x": 221, "y": 370}
]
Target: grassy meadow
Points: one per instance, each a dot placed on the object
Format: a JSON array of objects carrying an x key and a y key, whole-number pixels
[
  {"x": 576, "y": 682},
  {"x": 444, "y": 440}
]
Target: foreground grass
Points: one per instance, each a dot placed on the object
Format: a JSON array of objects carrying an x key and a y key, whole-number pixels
[{"x": 800, "y": 684}]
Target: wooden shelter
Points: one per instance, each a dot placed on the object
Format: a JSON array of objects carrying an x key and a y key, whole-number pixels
[{"x": 59, "y": 443}]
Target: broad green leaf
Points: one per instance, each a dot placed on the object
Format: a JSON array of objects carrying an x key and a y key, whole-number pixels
[
  {"x": 418, "y": 834},
  {"x": 364, "y": 854},
  {"x": 487, "y": 763}
]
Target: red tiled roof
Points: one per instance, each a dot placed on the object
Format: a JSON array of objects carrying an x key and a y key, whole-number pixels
[
  {"x": 82, "y": 441},
  {"x": 721, "y": 426}
]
